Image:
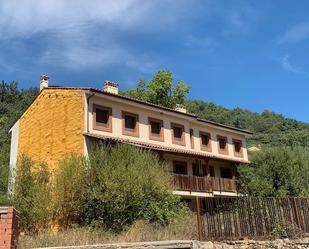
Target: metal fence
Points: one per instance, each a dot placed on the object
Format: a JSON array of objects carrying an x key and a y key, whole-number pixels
[{"x": 250, "y": 217}]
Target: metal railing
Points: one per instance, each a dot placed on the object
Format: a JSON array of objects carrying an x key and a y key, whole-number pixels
[{"x": 253, "y": 217}]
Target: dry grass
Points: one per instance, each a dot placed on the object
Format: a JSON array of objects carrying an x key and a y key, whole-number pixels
[{"x": 140, "y": 231}]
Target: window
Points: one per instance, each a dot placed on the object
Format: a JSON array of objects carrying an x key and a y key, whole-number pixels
[
  {"x": 178, "y": 136},
  {"x": 102, "y": 118},
  {"x": 199, "y": 169},
  {"x": 205, "y": 141},
  {"x": 222, "y": 144},
  {"x": 212, "y": 171},
  {"x": 177, "y": 132},
  {"x": 180, "y": 167},
  {"x": 156, "y": 131},
  {"x": 237, "y": 148},
  {"x": 226, "y": 173},
  {"x": 130, "y": 124},
  {"x": 192, "y": 138}
]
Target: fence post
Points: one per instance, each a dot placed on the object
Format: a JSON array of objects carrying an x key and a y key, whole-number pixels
[
  {"x": 296, "y": 211},
  {"x": 198, "y": 218}
]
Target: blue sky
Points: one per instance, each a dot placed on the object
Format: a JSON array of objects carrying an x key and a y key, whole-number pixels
[{"x": 249, "y": 54}]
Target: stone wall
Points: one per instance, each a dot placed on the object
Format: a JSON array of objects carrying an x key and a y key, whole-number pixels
[
  {"x": 189, "y": 244},
  {"x": 8, "y": 228}
]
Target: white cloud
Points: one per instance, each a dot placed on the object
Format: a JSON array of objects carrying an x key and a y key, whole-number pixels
[
  {"x": 96, "y": 34},
  {"x": 297, "y": 33},
  {"x": 79, "y": 34},
  {"x": 285, "y": 62},
  {"x": 21, "y": 19}
]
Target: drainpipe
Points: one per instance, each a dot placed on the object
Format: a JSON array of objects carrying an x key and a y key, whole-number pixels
[{"x": 88, "y": 100}]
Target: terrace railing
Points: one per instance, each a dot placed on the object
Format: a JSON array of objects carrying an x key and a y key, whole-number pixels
[{"x": 203, "y": 184}]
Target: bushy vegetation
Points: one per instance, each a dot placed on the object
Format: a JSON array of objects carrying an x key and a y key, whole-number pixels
[
  {"x": 32, "y": 194},
  {"x": 276, "y": 172},
  {"x": 4, "y": 176},
  {"x": 105, "y": 190},
  {"x": 129, "y": 187},
  {"x": 12, "y": 103}
]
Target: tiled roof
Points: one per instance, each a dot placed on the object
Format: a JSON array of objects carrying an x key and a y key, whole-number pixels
[
  {"x": 154, "y": 105},
  {"x": 163, "y": 148}
]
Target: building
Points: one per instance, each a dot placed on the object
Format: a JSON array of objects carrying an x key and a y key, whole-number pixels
[{"x": 202, "y": 155}]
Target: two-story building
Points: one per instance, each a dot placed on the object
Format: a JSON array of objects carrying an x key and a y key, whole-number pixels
[{"x": 202, "y": 155}]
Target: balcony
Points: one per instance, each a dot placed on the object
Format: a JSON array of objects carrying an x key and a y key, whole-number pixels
[{"x": 203, "y": 184}]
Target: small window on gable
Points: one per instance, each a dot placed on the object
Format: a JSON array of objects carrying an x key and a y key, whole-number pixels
[
  {"x": 178, "y": 134},
  {"x": 102, "y": 118},
  {"x": 130, "y": 124},
  {"x": 180, "y": 167},
  {"x": 222, "y": 144},
  {"x": 205, "y": 141},
  {"x": 156, "y": 131},
  {"x": 237, "y": 147}
]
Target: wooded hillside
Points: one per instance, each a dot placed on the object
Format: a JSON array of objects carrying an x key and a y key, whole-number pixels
[
  {"x": 269, "y": 128},
  {"x": 13, "y": 102}
]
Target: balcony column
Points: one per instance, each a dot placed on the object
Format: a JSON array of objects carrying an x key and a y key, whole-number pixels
[
  {"x": 234, "y": 177},
  {"x": 198, "y": 218}
]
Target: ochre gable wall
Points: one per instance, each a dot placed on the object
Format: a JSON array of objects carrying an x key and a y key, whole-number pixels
[{"x": 53, "y": 126}]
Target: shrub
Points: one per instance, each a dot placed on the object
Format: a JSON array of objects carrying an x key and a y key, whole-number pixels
[
  {"x": 32, "y": 194},
  {"x": 125, "y": 184},
  {"x": 68, "y": 190},
  {"x": 116, "y": 186}
]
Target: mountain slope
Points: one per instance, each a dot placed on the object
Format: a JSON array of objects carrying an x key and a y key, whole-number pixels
[{"x": 269, "y": 128}]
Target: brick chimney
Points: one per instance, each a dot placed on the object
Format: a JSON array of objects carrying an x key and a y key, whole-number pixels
[
  {"x": 110, "y": 87},
  {"x": 180, "y": 108},
  {"x": 43, "y": 81}
]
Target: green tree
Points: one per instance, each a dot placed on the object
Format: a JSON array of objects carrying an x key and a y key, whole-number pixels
[
  {"x": 13, "y": 102},
  {"x": 276, "y": 171},
  {"x": 161, "y": 90}
]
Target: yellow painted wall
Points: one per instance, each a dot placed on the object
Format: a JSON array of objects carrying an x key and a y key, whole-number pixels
[{"x": 53, "y": 126}]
